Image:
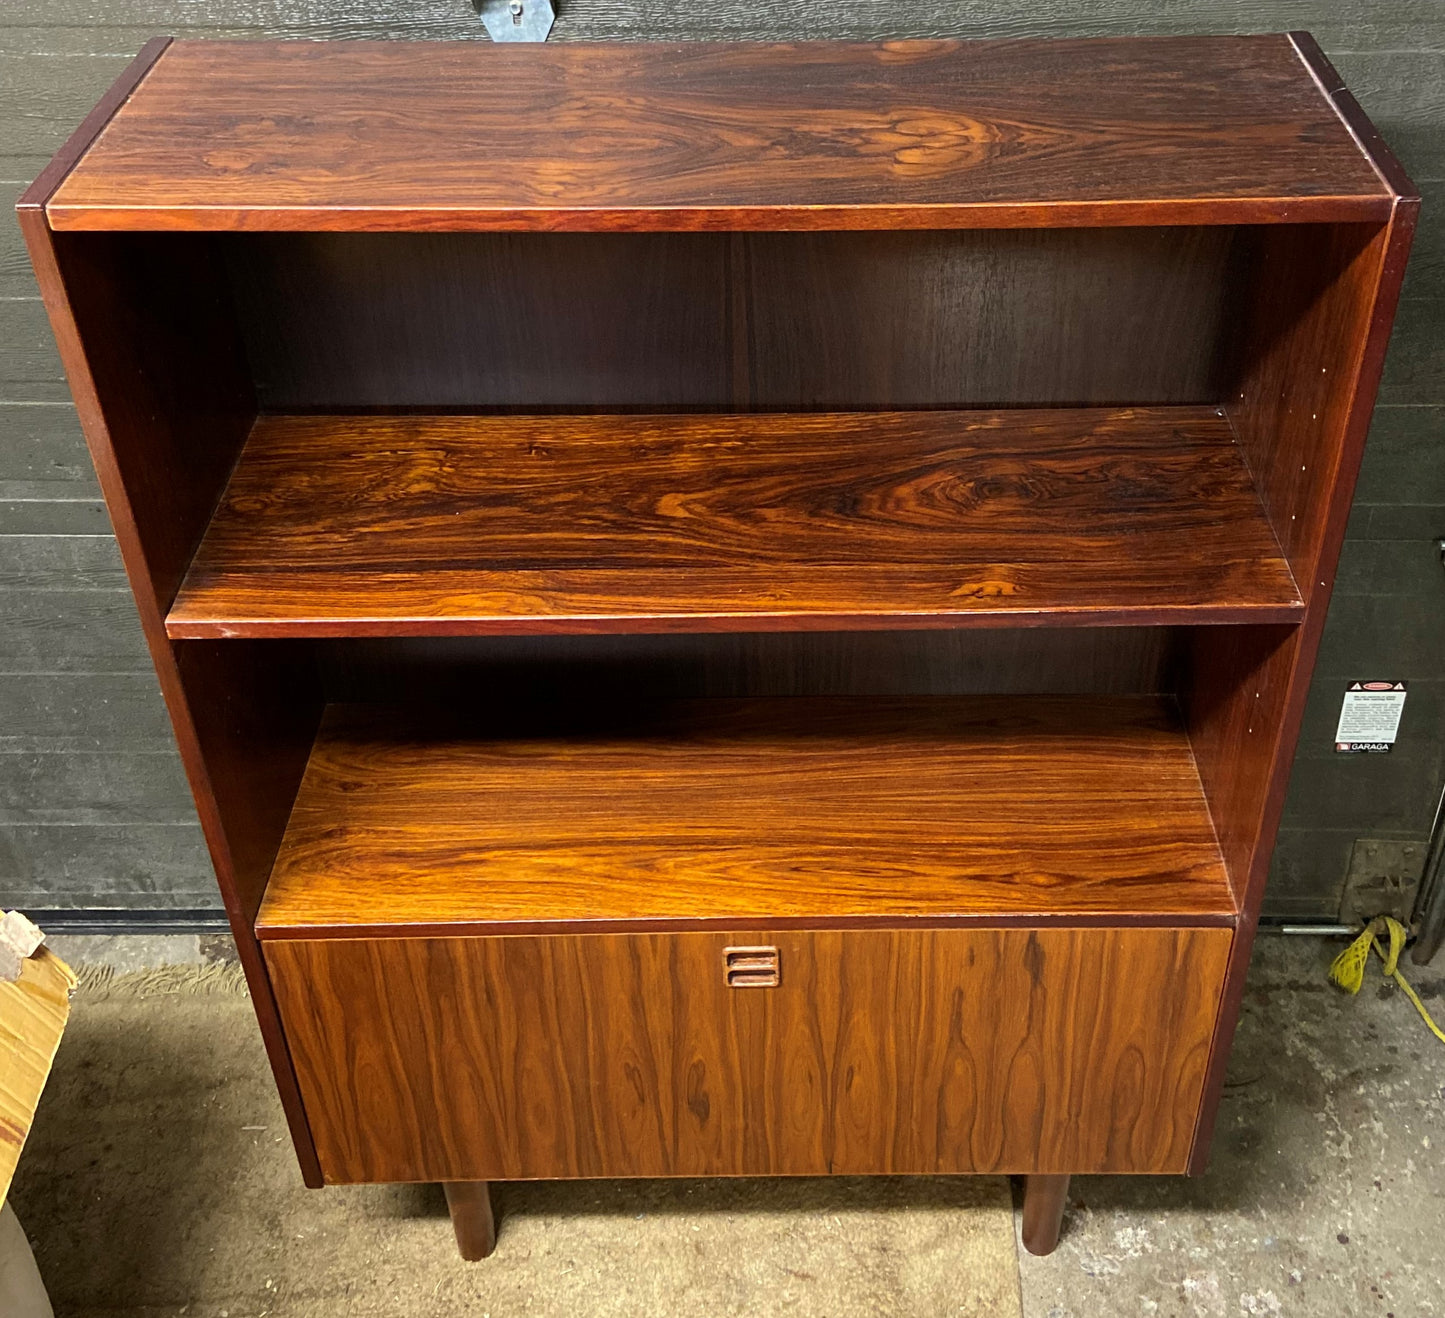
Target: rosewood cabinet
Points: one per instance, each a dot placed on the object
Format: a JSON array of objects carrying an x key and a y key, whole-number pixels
[{"x": 750, "y": 614}]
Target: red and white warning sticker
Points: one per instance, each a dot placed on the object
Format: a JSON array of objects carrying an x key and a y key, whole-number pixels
[{"x": 1370, "y": 717}]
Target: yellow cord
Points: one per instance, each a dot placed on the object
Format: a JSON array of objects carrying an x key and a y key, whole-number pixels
[{"x": 1348, "y": 970}]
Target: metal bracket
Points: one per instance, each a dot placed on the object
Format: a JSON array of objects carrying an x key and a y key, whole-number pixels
[{"x": 516, "y": 20}]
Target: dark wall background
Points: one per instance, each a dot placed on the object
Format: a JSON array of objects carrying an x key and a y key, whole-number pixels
[{"x": 94, "y": 810}]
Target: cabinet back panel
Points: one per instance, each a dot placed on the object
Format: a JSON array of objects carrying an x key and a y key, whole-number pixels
[
  {"x": 1062, "y": 661},
  {"x": 726, "y": 321}
]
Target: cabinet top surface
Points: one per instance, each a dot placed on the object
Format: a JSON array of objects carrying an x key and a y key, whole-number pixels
[{"x": 594, "y": 136}]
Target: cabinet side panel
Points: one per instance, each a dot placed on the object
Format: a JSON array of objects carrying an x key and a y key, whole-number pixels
[
  {"x": 1325, "y": 299},
  {"x": 164, "y": 399},
  {"x": 1235, "y": 690},
  {"x": 253, "y": 708},
  {"x": 910, "y": 1052},
  {"x": 173, "y": 393},
  {"x": 1315, "y": 290}
]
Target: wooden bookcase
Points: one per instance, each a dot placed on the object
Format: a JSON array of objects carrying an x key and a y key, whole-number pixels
[{"x": 732, "y": 609}]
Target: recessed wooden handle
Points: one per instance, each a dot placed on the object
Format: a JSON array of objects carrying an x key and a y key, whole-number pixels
[{"x": 751, "y": 967}]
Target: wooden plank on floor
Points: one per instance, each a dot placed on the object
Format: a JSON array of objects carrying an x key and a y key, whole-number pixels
[{"x": 33, "y": 1013}]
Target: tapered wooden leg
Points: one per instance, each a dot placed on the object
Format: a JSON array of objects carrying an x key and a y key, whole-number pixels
[
  {"x": 1044, "y": 1198},
  {"x": 470, "y": 1204}
]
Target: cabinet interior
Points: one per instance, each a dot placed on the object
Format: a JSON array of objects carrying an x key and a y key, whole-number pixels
[{"x": 1064, "y": 413}]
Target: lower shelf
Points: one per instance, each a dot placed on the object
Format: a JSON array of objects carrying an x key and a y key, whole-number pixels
[
  {"x": 799, "y": 812},
  {"x": 913, "y": 1051}
]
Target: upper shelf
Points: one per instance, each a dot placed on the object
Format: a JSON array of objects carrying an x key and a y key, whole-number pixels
[
  {"x": 812, "y": 135},
  {"x": 455, "y": 525}
]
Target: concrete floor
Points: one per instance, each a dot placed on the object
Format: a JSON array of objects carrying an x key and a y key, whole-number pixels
[
  {"x": 1326, "y": 1190},
  {"x": 159, "y": 1183}
]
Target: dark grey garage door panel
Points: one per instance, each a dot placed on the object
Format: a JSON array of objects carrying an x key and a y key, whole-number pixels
[{"x": 92, "y": 806}]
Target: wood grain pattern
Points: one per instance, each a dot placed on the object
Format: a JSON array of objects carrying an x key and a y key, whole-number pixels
[
  {"x": 164, "y": 398},
  {"x": 365, "y": 525},
  {"x": 174, "y": 392},
  {"x": 253, "y": 710},
  {"x": 345, "y": 321},
  {"x": 38, "y": 194},
  {"x": 984, "y": 318},
  {"x": 1311, "y": 312},
  {"x": 33, "y": 1013},
  {"x": 806, "y": 810},
  {"x": 732, "y": 136},
  {"x": 537, "y": 322},
  {"x": 1307, "y": 400},
  {"x": 888, "y": 849},
  {"x": 1234, "y": 686},
  {"x": 922, "y": 1051},
  {"x": 615, "y": 669},
  {"x": 1352, "y": 115}
]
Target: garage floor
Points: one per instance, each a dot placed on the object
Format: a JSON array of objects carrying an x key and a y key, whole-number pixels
[{"x": 159, "y": 1183}]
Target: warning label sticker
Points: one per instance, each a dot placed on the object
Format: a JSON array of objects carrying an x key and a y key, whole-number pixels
[{"x": 1370, "y": 717}]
